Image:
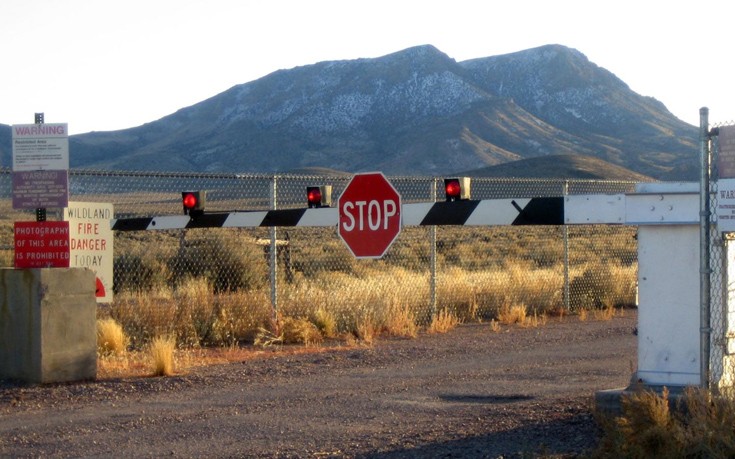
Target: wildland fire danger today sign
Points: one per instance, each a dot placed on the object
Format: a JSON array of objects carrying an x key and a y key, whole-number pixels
[
  {"x": 90, "y": 242},
  {"x": 369, "y": 215}
]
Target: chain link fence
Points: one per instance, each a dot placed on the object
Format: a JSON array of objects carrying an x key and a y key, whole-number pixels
[
  {"x": 228, "y": 285},
  {"x": 721, "y": 314}
]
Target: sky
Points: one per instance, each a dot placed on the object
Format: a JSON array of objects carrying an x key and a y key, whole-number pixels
[{"x": 102, "y": 65}]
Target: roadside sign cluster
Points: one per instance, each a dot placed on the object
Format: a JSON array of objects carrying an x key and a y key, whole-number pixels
[{"x": 41, "y": 180}]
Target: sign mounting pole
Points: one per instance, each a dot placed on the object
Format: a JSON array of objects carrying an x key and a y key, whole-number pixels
[{"x": 38, "y": 118}]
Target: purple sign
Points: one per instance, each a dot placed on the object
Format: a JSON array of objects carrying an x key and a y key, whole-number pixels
[
  {"x": 726, "y": 156},
  {"x": 40, "y": 189}
]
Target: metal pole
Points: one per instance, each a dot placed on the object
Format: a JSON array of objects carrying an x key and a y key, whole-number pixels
[
  {"x": 565, "y": 235},
  {"x": 704, "y": 249},
  {"x": 38, "y": 118},
  {"x": 432, "y": 259},
  {"x": 273, "y": 260}
]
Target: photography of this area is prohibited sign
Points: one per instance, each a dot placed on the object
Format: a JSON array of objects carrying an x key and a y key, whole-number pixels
[{"x": 90, "y": 243}]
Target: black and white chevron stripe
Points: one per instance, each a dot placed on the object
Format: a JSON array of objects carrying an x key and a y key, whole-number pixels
[
  {"x": 289, "y": 217},
  {"x": 490, "y": 212},
  {"x": 528, "y": 211}
]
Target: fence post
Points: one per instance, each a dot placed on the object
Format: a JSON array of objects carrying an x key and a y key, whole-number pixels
[
  {"x": 432, "y": 258},
  {"x": 704, "y": 249},
  {"x": 273, "y": 261},
  {"x": 565, "y": 235}
]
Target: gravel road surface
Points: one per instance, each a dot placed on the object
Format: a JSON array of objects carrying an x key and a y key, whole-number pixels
[{"x": 469, "y": 393}]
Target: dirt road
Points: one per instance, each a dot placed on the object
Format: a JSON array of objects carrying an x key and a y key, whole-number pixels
[{"x": 469, "y": 393}]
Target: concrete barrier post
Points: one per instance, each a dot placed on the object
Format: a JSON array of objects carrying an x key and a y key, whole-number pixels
[{"x": 48, "y": 325}]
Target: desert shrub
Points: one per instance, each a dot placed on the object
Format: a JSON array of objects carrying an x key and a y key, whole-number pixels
[
  {"x": 325, "y": 322},
  {"x": 136, "y": 273},
  {"x": 144, "y": 315},
  {"x": 652, "y": 425},
  {"x": 411, "y": 251},
  {"x": 328, "y": 259},
  {"x": 602, "y": 286},
  {"x": 227, "y": 263},
  {"x": 400, "y": 321},
  {"x": 300, "y": 331}
]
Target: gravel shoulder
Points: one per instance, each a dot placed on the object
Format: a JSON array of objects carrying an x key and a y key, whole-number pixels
[{"x": 469, "y": 393}]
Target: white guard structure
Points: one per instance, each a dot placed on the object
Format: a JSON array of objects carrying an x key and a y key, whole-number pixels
[{"x": 667, "y": 215}]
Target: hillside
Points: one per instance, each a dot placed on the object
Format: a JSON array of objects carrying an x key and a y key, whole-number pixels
[
  {"x": 560, "y": 167},
  {"x": 413, "y": 112}
]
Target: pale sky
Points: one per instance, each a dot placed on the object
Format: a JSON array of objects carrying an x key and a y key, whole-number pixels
[{"x": 103, "y": 65}]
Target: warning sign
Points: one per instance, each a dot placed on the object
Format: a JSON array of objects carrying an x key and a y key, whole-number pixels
[
  {"x": 90, "y": 242},
  {"x": 41, "y": 244},
  {"x": 40, "y": 147},
  {"x": 726, "y": 153}
]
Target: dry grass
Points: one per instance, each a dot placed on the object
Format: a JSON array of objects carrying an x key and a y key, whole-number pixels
[
  {"x": 326, "y": 322},
  {"x": 300, "y": 331},
  {"x": 366, "y": 332},
  {"x": 603, "y": 314},
  {"x": 334, "y": 296},
  {"x": 534, "y": 321},
  {"x": 443, "y": 322},
  {"x": 111, "y": 339},
  {"x": 515, "y": 314},
  {"x": 401, "y": 321},
  {"x": 700, "y": 425},
  {"x": 161, "y": 352}
]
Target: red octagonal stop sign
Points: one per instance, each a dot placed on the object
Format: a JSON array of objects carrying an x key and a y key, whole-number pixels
[{"x": 369, "y": 215}]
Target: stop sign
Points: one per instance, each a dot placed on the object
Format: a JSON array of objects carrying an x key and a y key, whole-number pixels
[{"x": 369, "y": 215}]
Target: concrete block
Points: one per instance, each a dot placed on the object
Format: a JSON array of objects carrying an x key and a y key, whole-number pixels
[{"x": 48, "y": 322}]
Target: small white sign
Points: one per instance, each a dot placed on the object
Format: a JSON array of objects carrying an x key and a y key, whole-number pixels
[
  {"x": 90, "y": 242},
  {"x": 725, "y": 210},
  {"x": 40, "y": 147}
]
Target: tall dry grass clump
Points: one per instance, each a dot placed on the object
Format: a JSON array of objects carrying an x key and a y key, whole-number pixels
[
  {"x": 652, "y": 425},
  {"x": 443, "y": 322},
  {"x": 111, "y": 338},
  {"x": 300, "y": 331},
  {"x": 325, "y": 322},
  {"x": 515, "y": 314},
  {"x": 161, "y": 351},
  {"x": 400, "y": 321}
]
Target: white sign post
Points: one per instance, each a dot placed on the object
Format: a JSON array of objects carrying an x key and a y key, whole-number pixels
[{"x": 90, "y": 242}]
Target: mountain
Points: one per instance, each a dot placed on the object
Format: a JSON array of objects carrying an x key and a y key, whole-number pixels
[
  {"x": 413, "y": 112},
  {"x": 560, "y": 167}
]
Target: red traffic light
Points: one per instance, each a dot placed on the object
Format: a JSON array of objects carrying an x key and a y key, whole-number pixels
[
  {"x": 319, "y": 196},
  {"x": 193, "y": 202},
  {"x": 457, "y": 189},
  {"x": 190, "y": 201},
  {"x": 314, "y": 196}
]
